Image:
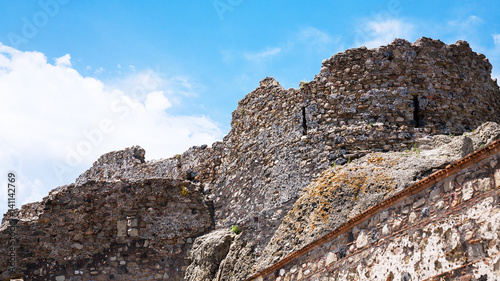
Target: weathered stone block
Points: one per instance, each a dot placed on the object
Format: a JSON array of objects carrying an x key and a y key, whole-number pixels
[
  {"x": 386, "y": 230},
  {"x": 419, "y": 203},
  {"x": 467, "y": 190},
  {"x": 331, "y": 258},
  {"x": 132, "y": 222},
  {"x": 497, "y": 178},
  {"x": 121, "y": 226},
  {"x": 384, "y": 216},
  {"x": 412, "y": 217},
  {"x": 435, "y": 194},
  {"x": 484, "y": 184},
  {"x": 362, "y": 239},
  {"x": 448, "y": 184},
  {"x": 133, "y": 232},
  {"x": 397, "y": 224}
]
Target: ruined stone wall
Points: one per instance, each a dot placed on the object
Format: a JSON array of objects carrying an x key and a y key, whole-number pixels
[
  {"x": 361, "y": 101},
  {"x": 196, "y": 164},
  {"x": 450, "y": 83},
  {"x": 446, "y": 227},
  {"x": 365, "y": 99},
  {"x": 109, "y": 231}
]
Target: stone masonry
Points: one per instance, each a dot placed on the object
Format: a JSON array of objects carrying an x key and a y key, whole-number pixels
[
  {"x": 109, "y": 231},
  {"x": 363, "y": 100}
]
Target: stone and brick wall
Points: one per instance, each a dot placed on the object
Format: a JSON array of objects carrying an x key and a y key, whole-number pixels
[
  {"x": 281, "y": 139},
  {"x": 446, "y": 227}
]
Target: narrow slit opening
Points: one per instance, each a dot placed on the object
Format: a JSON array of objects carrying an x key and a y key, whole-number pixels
[
  {"x": 304, "y": 124},
  {"x": 416, "y": 109}
]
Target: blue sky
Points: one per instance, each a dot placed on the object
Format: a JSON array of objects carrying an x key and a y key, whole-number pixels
[{"x": 81, "y": 78}]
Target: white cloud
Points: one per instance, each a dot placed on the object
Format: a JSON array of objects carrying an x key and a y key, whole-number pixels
[
  {"x": 496, "y": 39},
  {"x": 138, "y": 84},
  {"x": 314, "y": 36},
  {"x": 265, "y": 54},
  {"x": 64, "y": 61},
  {"x": 157, "y": 102},
  {"x": 311, "y": 40},
  {"x": 462, "y": 28},
  {"x": 377, "y": 33},
  {"x": 56, "y": 123},
  {"x": 466, "y": 23},
  {"x": 99, "y": 70}
]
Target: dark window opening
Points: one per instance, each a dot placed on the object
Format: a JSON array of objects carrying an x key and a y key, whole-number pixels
[
  {"x": 304, "y": 123},
  {"x": 389, "y": 55},
  {"x": 416, "y": 112}
]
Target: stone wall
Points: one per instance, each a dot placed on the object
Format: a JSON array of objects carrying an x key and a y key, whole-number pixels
[
  {"x": 446, "y": 227},
  {"x": 449, "y": 83},
  {"x": 197, "y": 163},
  {"x": 109, "y": 231},
  {"x": 362, "y": 101}
]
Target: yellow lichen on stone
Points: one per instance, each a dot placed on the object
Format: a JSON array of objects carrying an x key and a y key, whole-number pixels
[
  {"x": 184, "y": 190},
  {"x": 353, "y": 182}
]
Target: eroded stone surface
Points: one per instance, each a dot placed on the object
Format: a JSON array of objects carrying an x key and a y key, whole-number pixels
[{"x": 207, "y": 254}]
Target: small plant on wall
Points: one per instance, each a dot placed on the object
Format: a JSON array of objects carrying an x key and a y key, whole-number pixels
[{"x": 236, "y": 229}]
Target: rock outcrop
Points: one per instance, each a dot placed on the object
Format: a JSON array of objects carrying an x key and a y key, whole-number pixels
[
  {"x": 371, "y": 123},
  {"x": 207, "y": 254}
]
